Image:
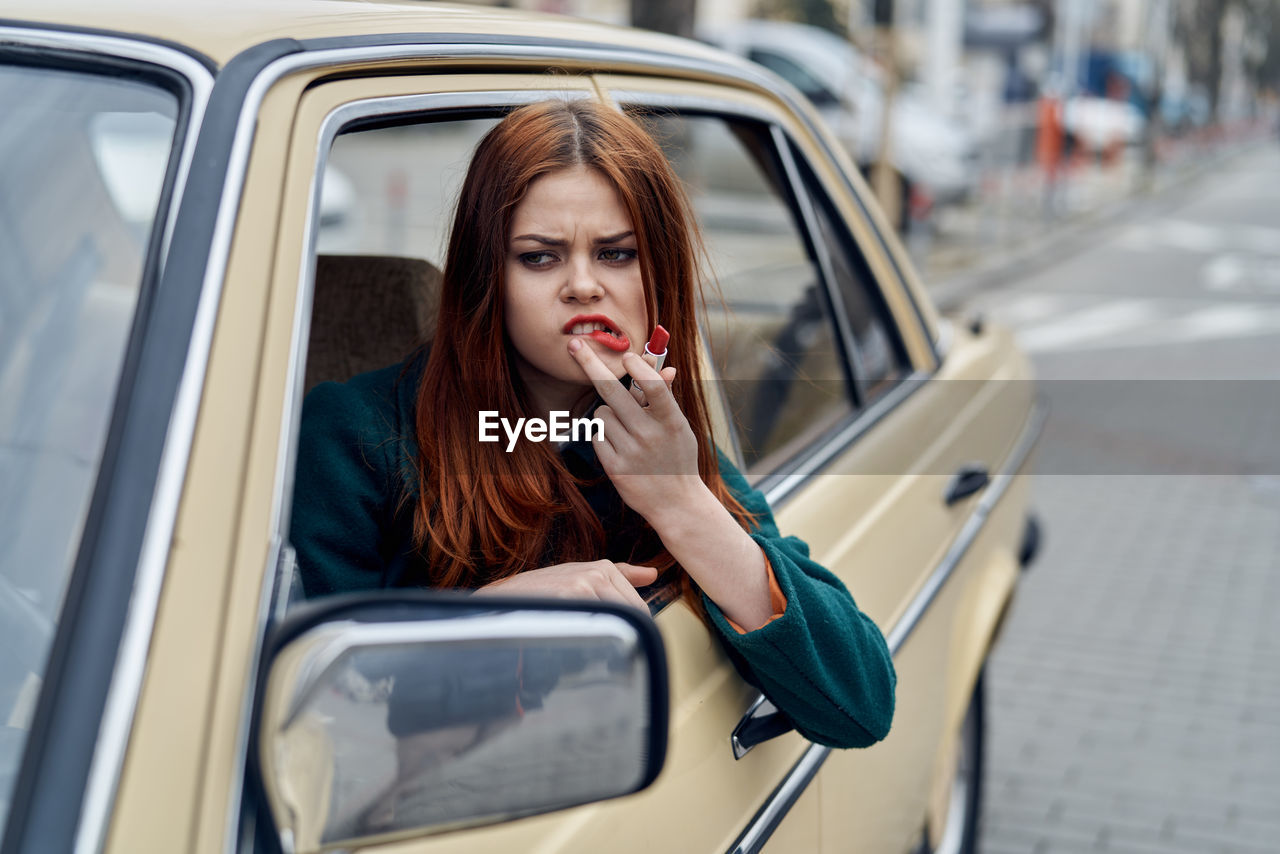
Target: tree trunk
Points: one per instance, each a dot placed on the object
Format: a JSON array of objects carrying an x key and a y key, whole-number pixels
[{"x": 664, "y": 16}]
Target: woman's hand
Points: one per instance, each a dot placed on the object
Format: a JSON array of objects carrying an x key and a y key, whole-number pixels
[
  {"x": 649, "y": 451},
  {"x": 651, "y": 456},
  {"x": 601, "y": 580}
]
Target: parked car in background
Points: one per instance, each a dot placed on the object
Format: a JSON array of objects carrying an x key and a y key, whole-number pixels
[
  {"x": 1101, "y": 123},
  {"x": 162, "y": 690},
  {"x": 935, "y": 157}
]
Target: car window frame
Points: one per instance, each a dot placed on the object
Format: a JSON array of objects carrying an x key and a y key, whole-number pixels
[
  {"x": 781, "y": 482},
  {"x": 75, "y": 747}
]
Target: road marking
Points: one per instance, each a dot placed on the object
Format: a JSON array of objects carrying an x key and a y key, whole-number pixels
[
  {"x": 1099, "y": 321},
  {"x": 1260, "y": 239},
  {"x": 1173, "y": 234},
  {"x": 1199, "y": 238},
  {"x": 1027, "y": 308},
  {"x": 1241, "y": 273},
  {"x": 1237, "y": 320},
  {"x": 1052, "y": 322},
  {"x": 1222, "y": 273}
]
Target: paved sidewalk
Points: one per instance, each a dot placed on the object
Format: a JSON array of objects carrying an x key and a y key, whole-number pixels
[{"x": 1135, "y": 697}]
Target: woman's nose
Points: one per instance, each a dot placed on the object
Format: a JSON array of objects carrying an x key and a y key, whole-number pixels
[{"x": 582, "y": 284}]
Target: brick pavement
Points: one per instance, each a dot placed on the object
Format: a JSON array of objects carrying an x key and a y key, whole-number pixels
[{"x": 1134, "y": 701}]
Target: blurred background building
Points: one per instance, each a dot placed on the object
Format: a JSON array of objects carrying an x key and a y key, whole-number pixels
[{"x": 998, "y": 118}]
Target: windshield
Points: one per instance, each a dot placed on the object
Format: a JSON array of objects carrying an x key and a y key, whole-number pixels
[{"x": 82, "y": 164}]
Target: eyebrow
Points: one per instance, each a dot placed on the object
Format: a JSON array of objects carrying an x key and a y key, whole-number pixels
[{"x": 551, "y": 241}]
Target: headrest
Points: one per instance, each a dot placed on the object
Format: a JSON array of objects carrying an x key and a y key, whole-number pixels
[{"x": 368, "y": 312}]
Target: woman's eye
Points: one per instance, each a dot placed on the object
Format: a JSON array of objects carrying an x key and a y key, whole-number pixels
[
  {"x": 537, "y": 259},
  {"x": 616, "y": 255}
]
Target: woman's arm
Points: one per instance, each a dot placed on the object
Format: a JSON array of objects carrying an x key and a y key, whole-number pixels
[
  {"x": 727, "y": 565},
  {"x": 817, "y": 657},
  {"x": 822, "y": 661},
  {"x": 341, "y": 491}
]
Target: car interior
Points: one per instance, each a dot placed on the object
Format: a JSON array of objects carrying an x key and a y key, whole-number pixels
[{"x": 368, "y": 311}]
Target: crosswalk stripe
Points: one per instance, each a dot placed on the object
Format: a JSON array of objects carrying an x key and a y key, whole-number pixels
[
  {"x": 1057, "y": 322},
  {"x": 1198, "y": 237},
  {"x": 1106, "y": 319},
  {"x": 1222, "y": 321},
  {"x": 1028, "y": 308},
  {"x": 1223, "y": 272}
]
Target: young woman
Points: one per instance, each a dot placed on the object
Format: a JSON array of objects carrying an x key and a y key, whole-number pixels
[{"x": 572, "y": 240}]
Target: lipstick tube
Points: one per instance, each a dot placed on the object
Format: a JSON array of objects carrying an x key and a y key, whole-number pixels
[{"x": 657, "y": 346}]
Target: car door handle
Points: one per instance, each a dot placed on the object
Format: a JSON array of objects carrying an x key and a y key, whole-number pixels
[
  {"x": 762, "y": 722},
  {"x": 971, "y": 478}
]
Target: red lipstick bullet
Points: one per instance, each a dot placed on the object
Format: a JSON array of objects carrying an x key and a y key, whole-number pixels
[{"x": 657, "y": 346}]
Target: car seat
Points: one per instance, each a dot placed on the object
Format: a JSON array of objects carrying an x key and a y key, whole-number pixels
[{"x": 368, "y": 312}]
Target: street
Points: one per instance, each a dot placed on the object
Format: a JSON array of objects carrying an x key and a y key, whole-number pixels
[{"x": 1134, "y": 698}]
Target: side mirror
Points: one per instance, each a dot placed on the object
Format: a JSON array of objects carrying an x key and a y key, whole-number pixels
[{"x": 398, "y": 715}]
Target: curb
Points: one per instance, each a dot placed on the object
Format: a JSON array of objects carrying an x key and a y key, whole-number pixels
[{"x": 950, "y": 292}]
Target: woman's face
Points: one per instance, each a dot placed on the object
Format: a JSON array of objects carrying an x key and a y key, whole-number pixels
[{"x": 572, "y": 272}]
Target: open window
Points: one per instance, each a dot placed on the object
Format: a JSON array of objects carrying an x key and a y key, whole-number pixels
[
  {"x": 799, "y": 336},
  {"x": 385, "y": 211}
]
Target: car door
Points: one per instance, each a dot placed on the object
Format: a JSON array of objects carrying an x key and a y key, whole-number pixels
[
  {"x": 97, "y": 132},
  {"x": 863, "y": 480},
  {"x": 399, "y": 141},
  {"x": 706, "y": 697}
]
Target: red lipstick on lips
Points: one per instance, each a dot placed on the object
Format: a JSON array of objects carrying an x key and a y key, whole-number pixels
[
  {"x": 619, "y": 343},
  {"x": 657, "y": 346}
]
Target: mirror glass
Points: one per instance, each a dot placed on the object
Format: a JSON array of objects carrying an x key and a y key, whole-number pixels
[{"x": 395, "y": 728}]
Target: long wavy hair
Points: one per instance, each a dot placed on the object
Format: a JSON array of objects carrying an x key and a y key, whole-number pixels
[{"x": 483, "y": 514}]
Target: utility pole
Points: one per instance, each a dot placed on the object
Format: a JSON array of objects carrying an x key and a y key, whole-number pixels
[
  {"x": 1158, "y": 28},
  {"x": 942, "y": 62},
  {"x": 884, "y": 178}
]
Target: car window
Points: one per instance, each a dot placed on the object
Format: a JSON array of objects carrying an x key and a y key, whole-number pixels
[
  {"x": 391, "y": 190},
  {"x": 387, "y": 204},
  {"x": 879, "y": 355},
  {"x": 773, "y": 336},
  {"x": 82, "y": 163}
]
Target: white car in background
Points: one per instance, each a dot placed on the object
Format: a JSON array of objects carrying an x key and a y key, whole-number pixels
[
  {"x": 1098, "y": 123},
  {"x": 935, "y": 158}
]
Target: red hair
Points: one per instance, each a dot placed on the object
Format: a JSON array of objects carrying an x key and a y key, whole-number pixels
[{"x": 483, "y": 514}]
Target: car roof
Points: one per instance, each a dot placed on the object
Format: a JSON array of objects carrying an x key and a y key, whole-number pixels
[{"x": 220, "y": 29}]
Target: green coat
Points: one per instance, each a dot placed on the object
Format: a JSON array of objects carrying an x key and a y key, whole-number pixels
[{"x": 822, "y": 662}]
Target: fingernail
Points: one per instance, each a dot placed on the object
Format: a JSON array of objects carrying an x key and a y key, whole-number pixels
[{"x": 575, "y": 345}]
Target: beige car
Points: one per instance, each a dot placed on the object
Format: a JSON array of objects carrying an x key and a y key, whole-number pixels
[{"x": 204, "y": 212}]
